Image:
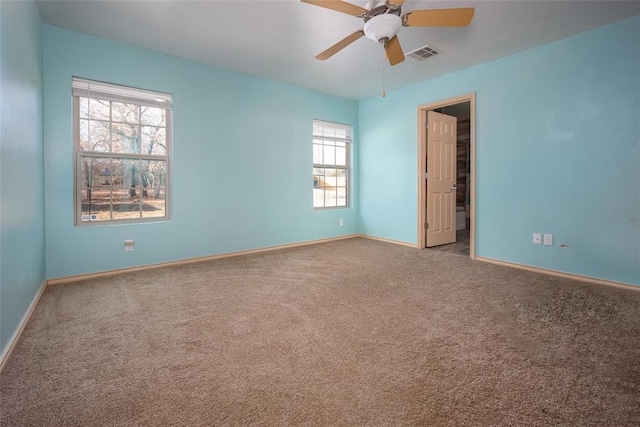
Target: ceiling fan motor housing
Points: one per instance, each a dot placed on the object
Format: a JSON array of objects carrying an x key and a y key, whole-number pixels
[{"x": 382, "y": 27}]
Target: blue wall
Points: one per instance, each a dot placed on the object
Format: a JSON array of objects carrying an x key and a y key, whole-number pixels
[
  {"x": 22, "y": 259},
  {"x": 558, "y": 139},
  {"x": 558, "y": 151},
  {"x": 241, "y": 159}
]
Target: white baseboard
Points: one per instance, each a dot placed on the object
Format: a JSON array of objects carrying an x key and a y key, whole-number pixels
[
  {"x": 628, "y": 286},
  {"x": 540, "y": 270},
  {"x": 381, "y": 239},
  {"x": 69, "y": 279},
  {"x": 4, "y": 356}
]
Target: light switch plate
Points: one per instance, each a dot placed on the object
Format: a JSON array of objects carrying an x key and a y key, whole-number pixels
[
  {"x": 537, "y": 238},
  {"x": 548, "y": 239}
]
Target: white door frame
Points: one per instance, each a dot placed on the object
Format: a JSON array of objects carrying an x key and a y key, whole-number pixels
[{"x": 422, "y": 165}]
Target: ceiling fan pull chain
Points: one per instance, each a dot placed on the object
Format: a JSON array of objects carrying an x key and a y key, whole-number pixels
[{"x": 384, "y": 94}]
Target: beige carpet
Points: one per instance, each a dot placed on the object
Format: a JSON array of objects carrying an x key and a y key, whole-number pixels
[{"x": 355, "y": 332}]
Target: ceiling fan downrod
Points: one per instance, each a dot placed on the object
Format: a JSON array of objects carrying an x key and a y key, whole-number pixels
[{"x": 379, "y": 7}]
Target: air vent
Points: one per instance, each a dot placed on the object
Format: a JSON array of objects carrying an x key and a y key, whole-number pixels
[{"x": 423, "y": 53}]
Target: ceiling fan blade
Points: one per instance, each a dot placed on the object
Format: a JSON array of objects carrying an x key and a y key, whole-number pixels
[
  {"x": 340, "y": 45},
  {"x": 394, "y": 51},
  {"x": 396, "y": 2},
  {"x": 338, "y": 5},
  {"x": 460, "y": 17}
]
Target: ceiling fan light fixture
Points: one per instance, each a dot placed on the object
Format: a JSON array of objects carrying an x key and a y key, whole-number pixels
[{"x": 382, "y": 27}]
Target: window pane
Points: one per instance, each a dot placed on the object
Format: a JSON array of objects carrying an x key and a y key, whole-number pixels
[
  {"x": 318, "y": 178},
  {"x": 341, "y": 156},
  {"x": 126, "y": 203},
  {"x": 152, "y": 116},
  {"x": 99, "y": 136},
  {"x": 153, "y": 202},
  {"x": 95, "y": 172},
  {"x": 341, "y": 177},
  {"x": 85, "y": 207},
  {"x": 96, "y": 204},
  {"x": 153, "y": 173},
  {"x": 126, "y": 173},
  {"x": 126, "y": 138},
  {"x": 125, "y": 113},
  {"x": 83, "y": 103},
  {"x": 85, "y": 173},
  {"x": 99, "y": 109},
  {"x": 318, "y": 198},
  {"x": 317, "y": 154},
  {"x": 329, "y": 153},
  {"x": 330, "y": 198},
  {"x": 330, "y": 177},
  {"x": 153, "y": 140},
  {"x": 342, "y": 196},
  {"x": 84, "y": 135}
]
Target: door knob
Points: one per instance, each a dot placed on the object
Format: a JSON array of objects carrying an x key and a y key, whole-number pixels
[{"x": 454, "y": 187}]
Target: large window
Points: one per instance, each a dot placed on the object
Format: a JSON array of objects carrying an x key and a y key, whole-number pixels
[
  {"x": 331, "y": 160},
  {"x": 122, "y": 147}
]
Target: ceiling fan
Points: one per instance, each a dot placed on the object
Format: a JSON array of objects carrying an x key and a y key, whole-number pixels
[{"x": 383, "y": 19}]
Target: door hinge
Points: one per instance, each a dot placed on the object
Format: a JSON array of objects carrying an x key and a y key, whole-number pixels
[
  {"x": 426, "y": 175},
  {"x": 426, "y": 125},
  {"x": 426, "y": 225}
]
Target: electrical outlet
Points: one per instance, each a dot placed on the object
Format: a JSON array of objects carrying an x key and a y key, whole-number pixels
[
  {"x": 548, "y": 239},
  {"x": 537, "y": 238},
  {"x": 128, "y": 245},
  {"x": 341, "y": 222}
]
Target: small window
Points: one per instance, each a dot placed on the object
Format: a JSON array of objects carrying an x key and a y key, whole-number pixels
[
  {"x": 331, "y": 160},
  {"x": 122, "y": 153}
]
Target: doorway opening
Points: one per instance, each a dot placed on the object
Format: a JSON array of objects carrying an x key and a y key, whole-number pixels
[{"x": 453, "y": 185}]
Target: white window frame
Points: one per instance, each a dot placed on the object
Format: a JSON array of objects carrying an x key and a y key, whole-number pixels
[
  {"x": 83, "y": 88},
  {"x": 329, "y": 133}
]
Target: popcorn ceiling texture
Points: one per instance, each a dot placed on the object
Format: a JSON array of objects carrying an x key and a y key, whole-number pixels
[{"x": 354, "y": 332}]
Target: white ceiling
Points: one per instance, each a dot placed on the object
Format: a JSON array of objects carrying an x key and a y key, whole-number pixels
[{"x": 278, "y": 39}]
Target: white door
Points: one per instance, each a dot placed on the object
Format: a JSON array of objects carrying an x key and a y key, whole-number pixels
[{"x": 441, "y": 179}]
